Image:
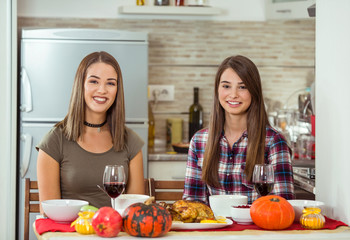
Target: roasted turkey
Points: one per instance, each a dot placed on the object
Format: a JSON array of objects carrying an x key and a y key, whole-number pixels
[{"x": 189, "y": 211}]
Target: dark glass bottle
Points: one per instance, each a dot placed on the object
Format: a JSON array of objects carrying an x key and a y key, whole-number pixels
[
  {"x": 151, "y": 128},
  {"x": 195, "y": 121}
]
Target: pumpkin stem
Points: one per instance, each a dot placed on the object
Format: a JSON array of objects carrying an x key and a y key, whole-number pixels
[
  {"x": 150, "y": 200},
  {"x": 274, "y": 199}
]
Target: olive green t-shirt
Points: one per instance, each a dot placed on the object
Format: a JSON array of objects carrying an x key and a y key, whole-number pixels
[{"x": 81, "y": 171}]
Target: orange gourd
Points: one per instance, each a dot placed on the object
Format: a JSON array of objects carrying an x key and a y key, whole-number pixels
[
  {"x": 272, "y": 212},
  {"x": 146, "y": 220}
]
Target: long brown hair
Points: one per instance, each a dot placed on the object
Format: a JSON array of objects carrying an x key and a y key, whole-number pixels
[
  {"x": 73, "y": 123},
  {"x": 256, "y": 121}
]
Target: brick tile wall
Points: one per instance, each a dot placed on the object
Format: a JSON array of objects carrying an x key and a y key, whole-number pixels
[{"x": 186, "y": 54}]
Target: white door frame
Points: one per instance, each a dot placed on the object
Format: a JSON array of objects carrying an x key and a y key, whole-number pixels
[{"x": 8, "y": 103}]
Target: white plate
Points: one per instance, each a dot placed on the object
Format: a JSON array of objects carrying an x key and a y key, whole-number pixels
[
  {"x": 243, "y": 221},
  {"x": 178, "y": 225}
]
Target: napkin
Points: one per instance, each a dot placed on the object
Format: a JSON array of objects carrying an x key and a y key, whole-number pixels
[
  {"x": 329, "y": 224},
  {"x": 43, "y": 225}
]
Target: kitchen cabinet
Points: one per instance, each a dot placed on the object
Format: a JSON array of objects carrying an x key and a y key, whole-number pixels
[
  {"x": 167, "y": 170},
  {"x": 164, "y": 165},
  {"x": 169, "y": 10},
  {"x": 288, "y": 9}
]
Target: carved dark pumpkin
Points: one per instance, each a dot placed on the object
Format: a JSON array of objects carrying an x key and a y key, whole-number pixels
[{"x": 146, "y": 220}]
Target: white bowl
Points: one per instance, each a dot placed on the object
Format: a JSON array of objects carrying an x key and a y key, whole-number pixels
[
  {"x": 125, "y": 200},
  {"x": 221, "y": 204},
  {"x": 63, "y": 210},
  {"x": 241, "y": 215},
  {"x": 299, "y": 205}
]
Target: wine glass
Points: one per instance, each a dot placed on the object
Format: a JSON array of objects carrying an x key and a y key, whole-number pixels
[
  {"x": 114, "y": 181},
  {"x": 263, "y": 178}
]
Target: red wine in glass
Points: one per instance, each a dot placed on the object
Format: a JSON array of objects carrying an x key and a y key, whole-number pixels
[
  {"x": 114, "y": 181},
  {"x": 263, "y": 179},
  {"x": 114, "y": 189},
  {"x": 263, "y": 189}
]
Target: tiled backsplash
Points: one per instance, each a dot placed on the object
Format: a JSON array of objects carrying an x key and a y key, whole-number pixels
[{"x": 187, "y": 53}]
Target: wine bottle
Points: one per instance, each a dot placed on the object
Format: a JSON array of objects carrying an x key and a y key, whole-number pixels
[
  {"x": 151, "y": 129},
  {"x": 195, "y": 121}
]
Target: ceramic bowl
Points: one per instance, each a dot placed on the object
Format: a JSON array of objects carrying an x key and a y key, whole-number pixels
[
  {"x": 62, "y": 210},
  {"x": 181, "y": 147},
  {"x": 221, "y": 204},
  {"x": 300, "y": 204},
  {"x": 125, "y": 200},
  {"x": 241, "y": 214}
]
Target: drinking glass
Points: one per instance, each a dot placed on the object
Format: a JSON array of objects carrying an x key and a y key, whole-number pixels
[
  {"x": 114, "y": 181},
  {"x": 263, "y": 178}
]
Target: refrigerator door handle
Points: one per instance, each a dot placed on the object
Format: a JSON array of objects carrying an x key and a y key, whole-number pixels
[
  {"x": 27, "y": 105},
  {"x": 27, "y": 139}
]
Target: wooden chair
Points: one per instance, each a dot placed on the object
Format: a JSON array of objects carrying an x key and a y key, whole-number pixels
[
  {"x": 147, "y": 187},
  {"x": 166, "y": 190},
  {"x": 31, "y": 203}
]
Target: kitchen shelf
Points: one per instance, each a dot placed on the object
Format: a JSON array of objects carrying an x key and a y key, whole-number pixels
[{"x": 170, "y": 10}]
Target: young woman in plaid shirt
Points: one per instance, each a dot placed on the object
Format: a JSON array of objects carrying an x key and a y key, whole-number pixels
[{"x": 221, "y": 158}]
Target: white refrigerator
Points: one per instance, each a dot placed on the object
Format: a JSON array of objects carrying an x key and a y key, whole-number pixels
[{"x": 49, "y": 59}]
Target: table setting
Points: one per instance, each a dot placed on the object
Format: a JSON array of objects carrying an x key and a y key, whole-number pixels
[
  {"x": 46, "y": 228},
  {"x": 137, "y": 215}
]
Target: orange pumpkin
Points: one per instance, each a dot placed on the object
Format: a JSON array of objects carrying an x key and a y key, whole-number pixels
[
  {"x": 146, "y": 220},
  {"x": 272, "y": 212}
]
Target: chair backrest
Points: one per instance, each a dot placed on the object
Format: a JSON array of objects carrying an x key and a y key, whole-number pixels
[
  {"x": 147, "y": 187},
  {"x": 166, "y": 190},
  {"x": 31, "y": 203}
]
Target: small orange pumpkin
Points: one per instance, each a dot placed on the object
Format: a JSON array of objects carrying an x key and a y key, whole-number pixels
[
  {"x": 146, "y": 220},
  {"x": 272, "y": 212}
]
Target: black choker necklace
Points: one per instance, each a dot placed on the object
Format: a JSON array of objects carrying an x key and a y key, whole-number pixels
[{"x": 98, "y": 126}]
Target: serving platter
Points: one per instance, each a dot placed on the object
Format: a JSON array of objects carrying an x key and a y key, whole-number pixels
[{"x": 181, "y": 225}]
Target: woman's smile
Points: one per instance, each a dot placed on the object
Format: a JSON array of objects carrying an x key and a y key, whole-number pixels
[
  {"x": 234, "y": 103},
  {"x": 100, "y": 100}
]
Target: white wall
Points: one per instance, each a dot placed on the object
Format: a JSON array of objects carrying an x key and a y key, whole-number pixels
[
  {"x": 8, "y": 96},
  {"x": 244, "y": 10},
  {"x": 332, "y": 106}
]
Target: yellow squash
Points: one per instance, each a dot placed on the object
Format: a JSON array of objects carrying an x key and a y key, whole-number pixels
[
  {"x": 312, "y": 218},
  {"x": 83, "y": 223}
]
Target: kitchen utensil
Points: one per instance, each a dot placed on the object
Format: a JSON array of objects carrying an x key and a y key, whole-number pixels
[
  {"x": 62, "y": 210},
  {"x": 125, "y": 200},
  {"x": 221, "y": 204},
  {"x": 241, "y": 214},
  {"x": 101, "y": 188},
  {"x": 114, "y": 181},
  {"x": 263, "y": 178},
  {"x": 306, "y": 146},
  {"x": 300, "y": 204},
  {"x": 181, "y": 147}
]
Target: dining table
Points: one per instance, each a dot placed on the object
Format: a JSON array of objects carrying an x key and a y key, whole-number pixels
[{"x": 341, "y": 232}]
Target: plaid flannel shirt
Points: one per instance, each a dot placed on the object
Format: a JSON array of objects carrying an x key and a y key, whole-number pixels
[{"x": 232, "y": 164}]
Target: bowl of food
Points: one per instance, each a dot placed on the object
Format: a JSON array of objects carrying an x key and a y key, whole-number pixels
[
  {"x": 125, "y": 200},
  {"x": 300, "y": 204},
  {"x": 241, "y": 214},
  {"x": 221, "y": 204},
  {"x": 62, "y": 210}
]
